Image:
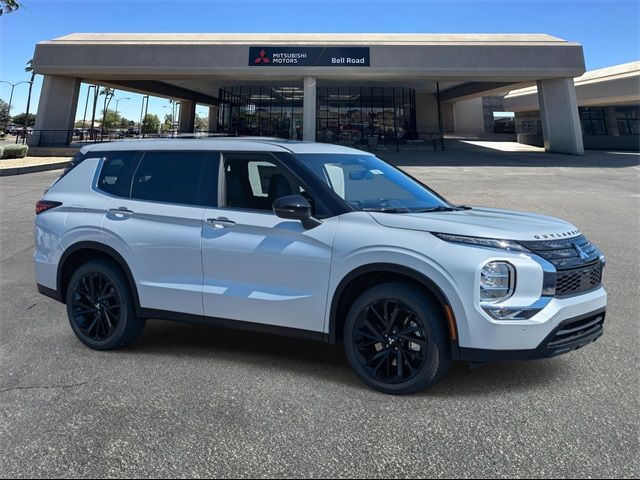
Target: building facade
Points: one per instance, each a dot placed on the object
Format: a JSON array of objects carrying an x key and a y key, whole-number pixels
[
  {"x": 354, "y": 89},
  {"x": 608, "y": 107}
]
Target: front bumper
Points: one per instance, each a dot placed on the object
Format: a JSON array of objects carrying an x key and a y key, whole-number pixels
[{"x": 569, "y": 335}]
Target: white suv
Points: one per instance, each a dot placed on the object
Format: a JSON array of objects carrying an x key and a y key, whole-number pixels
[{"x": 312, "y": 240}]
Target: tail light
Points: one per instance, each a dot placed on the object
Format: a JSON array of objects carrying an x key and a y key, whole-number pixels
[{"x": 44, "y": 205}]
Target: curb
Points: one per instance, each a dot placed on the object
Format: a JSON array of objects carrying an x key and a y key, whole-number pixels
[{"x": 5, "y": 172}]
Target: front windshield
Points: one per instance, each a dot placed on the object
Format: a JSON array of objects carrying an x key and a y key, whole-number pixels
[{"x": 370, "y": 184}]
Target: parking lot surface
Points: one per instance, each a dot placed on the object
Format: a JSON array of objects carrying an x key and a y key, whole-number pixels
[{"x": 196, "y": 401}]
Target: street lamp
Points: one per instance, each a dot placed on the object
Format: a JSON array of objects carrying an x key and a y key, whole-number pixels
[
  {"x": 116, "y": 115},
  {"x": 13, "y": 85}
]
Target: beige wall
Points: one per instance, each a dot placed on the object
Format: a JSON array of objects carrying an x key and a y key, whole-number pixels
[
  {"x": 426, "y": 113},
  {"x": 469, "y": 117}
]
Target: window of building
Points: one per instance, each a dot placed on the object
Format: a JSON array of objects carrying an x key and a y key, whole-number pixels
[
  {"x": 353, "y": 116},
  {"x": 592, "y": 120},
  {"x": 530, "y": 127},
  {"x": 362, "y": 116},
  {"x": 250, "y": 110},
  {"x": 628, "y": 118}
]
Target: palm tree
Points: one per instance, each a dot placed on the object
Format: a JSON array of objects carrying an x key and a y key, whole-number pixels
[
  {"x": 8, "y": 6},
  {"x": 108, "y": 95},
  {"x": 29, "y": 69}
]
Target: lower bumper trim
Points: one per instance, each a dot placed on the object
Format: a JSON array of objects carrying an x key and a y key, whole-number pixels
[
  {"x": 49, "y": 292},
  {"x": 568, "y": 336}
]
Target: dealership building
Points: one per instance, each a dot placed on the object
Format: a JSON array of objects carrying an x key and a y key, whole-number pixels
[
  {"x": 353, "y": 89},
  {"x": 608, "y": 107}
]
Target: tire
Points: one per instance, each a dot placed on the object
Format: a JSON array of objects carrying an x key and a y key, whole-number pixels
[
  {"x": 416, "y": 339},
  {"x": 100, "y": 306}
]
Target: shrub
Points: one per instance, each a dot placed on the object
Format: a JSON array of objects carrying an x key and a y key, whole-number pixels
[
  {"x": 14, "y": 151},
  {"x": 1, "y": 150}
]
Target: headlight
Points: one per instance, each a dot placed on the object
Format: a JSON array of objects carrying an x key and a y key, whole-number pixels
[
  {"x": 497, "y": 282},
  {"x": 483, "y": 242}
]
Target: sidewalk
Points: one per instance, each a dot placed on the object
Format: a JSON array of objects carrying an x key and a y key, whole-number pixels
[{"x": 17, "y": 166}]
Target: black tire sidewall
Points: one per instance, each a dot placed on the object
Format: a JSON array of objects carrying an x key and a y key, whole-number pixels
[
  {"x": 127, "y": 312},
  {"x": 438, "y": 356}
]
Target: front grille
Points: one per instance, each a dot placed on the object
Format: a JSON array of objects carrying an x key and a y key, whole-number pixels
[
  {"x": 565, "y": 253},
  {"x": 577, "y": 280},
  {"x": 576, "y": 333},
  {"x": 577, "y": 261}
]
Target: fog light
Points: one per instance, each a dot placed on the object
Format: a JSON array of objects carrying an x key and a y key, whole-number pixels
[{"x": 497, "y": 282}]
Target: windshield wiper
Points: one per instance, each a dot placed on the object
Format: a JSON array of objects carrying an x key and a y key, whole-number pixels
[
  {"x": 387, "y": 210},
  {"x": 442, "y": 208}
]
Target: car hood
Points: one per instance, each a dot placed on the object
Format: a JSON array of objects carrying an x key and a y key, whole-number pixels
[{"x": 482, "y": 222}]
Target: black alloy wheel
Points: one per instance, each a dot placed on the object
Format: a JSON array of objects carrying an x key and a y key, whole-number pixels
[
  {"x": 396, "y": 338},
  {"x": 390, "y": 341},
  {"x": 96, "y": 306},
  {"x": 100, "y": 306}
]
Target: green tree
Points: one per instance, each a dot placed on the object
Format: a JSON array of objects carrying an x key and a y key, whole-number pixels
[
  {"x": 151, "y": 123},
  {"x": 4, "y": 112},
  {"x": 21, "y": 119},
  {"x": 111, "y": 120},
  {"x": 8, "y": 6},
  {"x": 202, "y": 123}
]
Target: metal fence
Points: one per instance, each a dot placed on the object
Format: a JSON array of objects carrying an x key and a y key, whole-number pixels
[{"x": 79, "y": 138}]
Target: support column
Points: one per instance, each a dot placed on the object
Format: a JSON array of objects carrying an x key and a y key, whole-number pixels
[
  {"x": 559, "y": 116},
  {"x": 213, "y": 120},
  {"x": 309, "y": 110},
  {"x": 187, "y": 117},
  {"x": 56, "y": 112},
  {"x": 611, "y": 121}
]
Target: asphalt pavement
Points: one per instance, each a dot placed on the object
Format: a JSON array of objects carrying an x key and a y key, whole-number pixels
[{"x": 190, "y": 400}]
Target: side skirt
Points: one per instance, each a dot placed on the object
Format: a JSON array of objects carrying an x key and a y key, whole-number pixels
[{"x": 232, "y": 324}]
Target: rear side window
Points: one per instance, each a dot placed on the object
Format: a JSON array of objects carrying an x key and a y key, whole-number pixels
[
  {"x": 117, "y": 171},
  {"x": 177, "y": 177}
]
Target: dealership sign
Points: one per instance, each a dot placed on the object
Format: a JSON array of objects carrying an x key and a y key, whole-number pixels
[{"x": 309, "y": 56}]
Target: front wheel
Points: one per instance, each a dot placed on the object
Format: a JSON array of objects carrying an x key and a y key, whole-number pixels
[
  {"x": 100, "y": 306},
  {"x": 395, "y": 339}
]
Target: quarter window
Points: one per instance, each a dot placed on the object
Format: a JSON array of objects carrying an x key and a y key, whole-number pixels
[{"x": 116, "y": 173}]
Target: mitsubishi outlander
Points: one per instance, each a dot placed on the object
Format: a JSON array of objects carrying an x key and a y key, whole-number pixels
[{"x": 311, "y": 240}]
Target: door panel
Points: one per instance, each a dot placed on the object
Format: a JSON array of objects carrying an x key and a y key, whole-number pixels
[
  {"x": 159, "y": 230},
  {"x": 265, "y": 269},
  {"x": 161, "y": 245}
]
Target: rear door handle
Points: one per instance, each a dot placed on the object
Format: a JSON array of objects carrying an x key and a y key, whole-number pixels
[
  {"x": 121, "y": 211},
  {"x": 221, "y": 222}
]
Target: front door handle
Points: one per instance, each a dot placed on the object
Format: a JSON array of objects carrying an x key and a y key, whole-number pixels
[
  {"x": 221, "y": 222},
  {"x": 121, "y": 211}
]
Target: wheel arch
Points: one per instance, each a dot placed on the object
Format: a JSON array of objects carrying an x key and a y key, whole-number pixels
[
  {"x": 82, "y": 252},
  {"x": 366, "y": 276}
]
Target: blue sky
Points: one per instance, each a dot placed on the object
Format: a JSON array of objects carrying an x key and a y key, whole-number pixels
[{"x": 608, "y": 29}]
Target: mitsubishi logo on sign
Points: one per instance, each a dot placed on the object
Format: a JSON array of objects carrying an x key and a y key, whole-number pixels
[
  {"x": 304, "y": 56},
  {"x": 262, "y": 57}
]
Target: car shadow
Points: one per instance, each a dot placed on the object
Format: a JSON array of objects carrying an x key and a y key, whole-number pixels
[{"x": 323, "y": 361}]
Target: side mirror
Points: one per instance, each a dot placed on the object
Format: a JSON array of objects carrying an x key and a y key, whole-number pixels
[{"x": 295, "y": 207}]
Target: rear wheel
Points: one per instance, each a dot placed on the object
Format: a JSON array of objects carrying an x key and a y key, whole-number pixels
[
  {"x": 100, "y": 306},
  {"x": 395, "y": 339}
]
